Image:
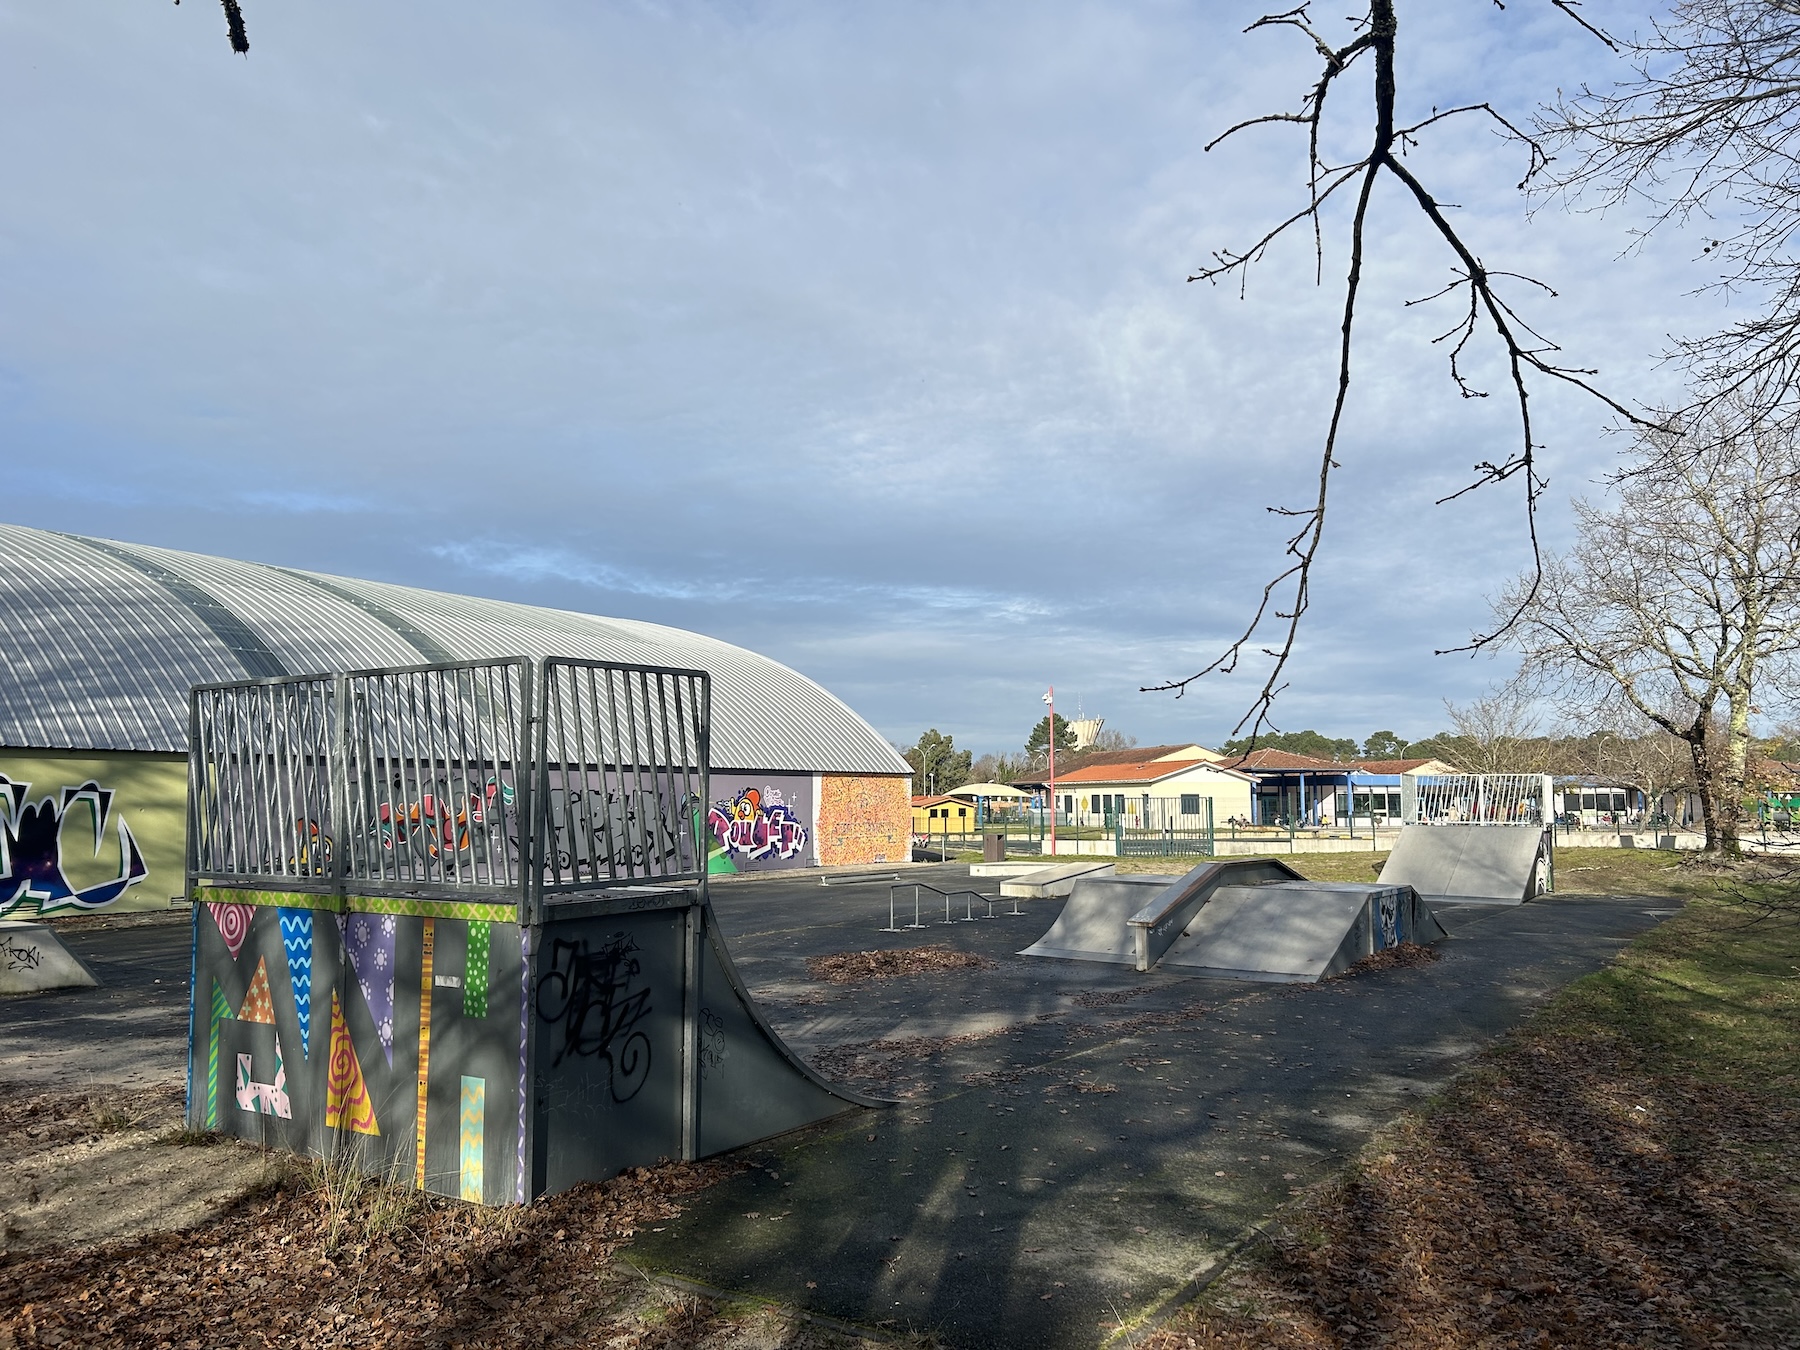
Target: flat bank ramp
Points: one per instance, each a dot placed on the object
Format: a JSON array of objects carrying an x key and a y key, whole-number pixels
[
  {"x": 1298, "y": 931},
  {"x": 1094, "y": 924},
  {"x": 1488, "y": 864},
  {"x": 1052, "y": 880}
]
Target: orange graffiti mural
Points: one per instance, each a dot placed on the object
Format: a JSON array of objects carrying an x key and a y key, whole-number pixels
[{"x": 864, "y": 818}]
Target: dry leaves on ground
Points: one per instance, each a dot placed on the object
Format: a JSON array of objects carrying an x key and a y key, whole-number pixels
[
  {"x": 1398, "y": 957},
  {"x": 288, "y": 1267},
  {"x": 855, "y": 967},
  {"x": 1564, "y": 1198}
]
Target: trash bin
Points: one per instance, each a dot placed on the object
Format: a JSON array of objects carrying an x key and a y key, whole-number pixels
[{"x": 993, "y": 848}]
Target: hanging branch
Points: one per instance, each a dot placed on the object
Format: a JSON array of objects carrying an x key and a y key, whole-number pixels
[
  {"x": 1287, "y": 596},
  {"x": 234, "y": 27}
]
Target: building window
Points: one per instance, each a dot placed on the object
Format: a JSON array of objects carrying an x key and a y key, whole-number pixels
[
  {"x": 962, "y": 811},
  {"x": 1190, "y": 803}
]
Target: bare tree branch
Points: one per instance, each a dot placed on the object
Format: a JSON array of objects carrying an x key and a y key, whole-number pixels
[{"x": 1286, "y": 598}]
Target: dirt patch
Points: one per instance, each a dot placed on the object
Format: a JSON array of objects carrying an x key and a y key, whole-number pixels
[
  {"x": 369, "y": 1265},
  {"x": 103, "y": 1165},
  {"x": 1399, "y": 957},
  {"x": 855, "y": 967}
]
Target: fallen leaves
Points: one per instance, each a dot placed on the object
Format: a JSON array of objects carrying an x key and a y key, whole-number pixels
[
  {"x": 454, "y": 1274},
  {"x": 1400, "y": 957},
  {"x": 855, "y": 967}
]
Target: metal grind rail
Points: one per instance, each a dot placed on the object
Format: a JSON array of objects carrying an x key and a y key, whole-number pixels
[{"x": 969, "y": 898}]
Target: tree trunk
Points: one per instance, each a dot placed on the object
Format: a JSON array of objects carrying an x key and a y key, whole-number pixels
[
  {"x": 1706, "y": 778},
  {"x": 1733, "y": 771}
]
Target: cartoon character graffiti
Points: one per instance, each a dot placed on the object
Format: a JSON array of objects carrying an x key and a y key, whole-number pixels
[
  {"x": 1389, "y": 927},
  {"x": 756, "y": 828},
  {"x": 31, "y": 849}
]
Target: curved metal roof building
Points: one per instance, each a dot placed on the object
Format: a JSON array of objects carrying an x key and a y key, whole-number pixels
[{"x": 104, "y": 639}]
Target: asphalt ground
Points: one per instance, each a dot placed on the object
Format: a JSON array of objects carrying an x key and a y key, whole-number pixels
[
  {"x": 131, "y": 1032},
  {"x": 1080, "y": 1142},
  {"x": 1073, "y": 1143}
]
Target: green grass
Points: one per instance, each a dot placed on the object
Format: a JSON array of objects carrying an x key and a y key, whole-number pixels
[{"x": 1712, "y": 994}]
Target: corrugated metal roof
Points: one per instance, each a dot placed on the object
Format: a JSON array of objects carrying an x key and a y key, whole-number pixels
[{"x": 103, "y": 640}]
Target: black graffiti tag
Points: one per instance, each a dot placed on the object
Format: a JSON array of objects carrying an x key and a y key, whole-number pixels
[
  {"x": 20, "y": 957},
  {"x": 588, "y": 995}
]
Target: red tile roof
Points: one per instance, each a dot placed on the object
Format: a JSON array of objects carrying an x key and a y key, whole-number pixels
[
  {"x": 1126, "y": 773},
  {"x": 1278, "y": 761},
  {"x": 1137, "y": 754}
]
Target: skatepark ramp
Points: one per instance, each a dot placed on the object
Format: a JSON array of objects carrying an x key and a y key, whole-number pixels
[
  {"x": 1244, "y": 918},
  {"x": 1480, "y": 864},
  {"x": 1131, "y": 920},
  {"x": 478, "y": 891},
  {"x": 1298, "y": 931}
]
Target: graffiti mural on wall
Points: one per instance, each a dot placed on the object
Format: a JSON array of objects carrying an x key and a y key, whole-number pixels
[
  {"x": 864, "y": 818},
  {"x": 32, "y": 849},
  {"x": 758, "y": 825}
]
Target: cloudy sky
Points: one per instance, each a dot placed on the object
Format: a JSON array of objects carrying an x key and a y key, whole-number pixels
[{"x": 855, "y": 334}]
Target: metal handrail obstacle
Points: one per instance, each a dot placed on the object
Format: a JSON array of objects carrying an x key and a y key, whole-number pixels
[{"x": 969, "y": 914}]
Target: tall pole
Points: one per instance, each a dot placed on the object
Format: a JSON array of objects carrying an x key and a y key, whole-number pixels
[{"x": 1050, "y": 698}]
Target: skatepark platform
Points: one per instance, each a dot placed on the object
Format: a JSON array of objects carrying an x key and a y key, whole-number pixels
[
  {"x": 1053, "y": 880},
  {"x": 1472, "y": 864},
  {"x": 1254, "y": 919},
  {"x": 1298, "y": 931}
]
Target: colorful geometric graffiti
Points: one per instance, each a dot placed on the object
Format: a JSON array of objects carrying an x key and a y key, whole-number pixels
[
  {"x": 31, "y": 849},
  {"x": 370, "y": 978},
  {"x": 757, "y": 826}
]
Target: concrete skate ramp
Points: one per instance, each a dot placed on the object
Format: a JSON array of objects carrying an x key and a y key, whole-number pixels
[
  {"x": 33, "y": 959},
  {"x": 1053, "y": 879},
  {"x": 1094, "y": 924},
  {"x": 1298, "y": 931},
  {"x": 1160, "y": 924},
  {"x": 1488, "y": 864}
]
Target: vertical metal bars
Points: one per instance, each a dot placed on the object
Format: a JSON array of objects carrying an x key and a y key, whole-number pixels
[
  {"x": 1480, "y": 799},
  {"x": 259, "y": 781},
  {"x": 420, "y": 780},
  {"x": 621, "y": 773},
  {"x": 431, "y": 759}
]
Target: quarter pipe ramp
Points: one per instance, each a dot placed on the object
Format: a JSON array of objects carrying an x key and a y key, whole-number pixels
[{"x": 1483, "y": 864}]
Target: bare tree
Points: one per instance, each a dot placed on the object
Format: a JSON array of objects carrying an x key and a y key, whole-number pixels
[
  {"x": 1627, "y": 747},
  {"x": 1500, "y": 733},
  {"x": 1706, "y": 128},
  {"x": 1681, "y": 599},
  {"x": 1483, "y": 299}
]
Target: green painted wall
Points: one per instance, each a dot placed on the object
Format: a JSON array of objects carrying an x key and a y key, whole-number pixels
[{"x": 47, "y": 838}]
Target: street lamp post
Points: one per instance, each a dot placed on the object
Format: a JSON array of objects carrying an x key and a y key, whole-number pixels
[{"x": 1050, "y": 698}]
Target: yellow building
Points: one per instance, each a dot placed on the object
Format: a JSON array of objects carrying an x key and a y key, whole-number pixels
[{"x": 936, "y": 815}]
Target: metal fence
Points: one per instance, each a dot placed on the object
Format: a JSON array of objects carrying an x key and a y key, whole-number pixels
[
  {"x": 1478, "y": 799},
  {"x": 622, "y": 773},
  {"x": 430, "y": 762},
  {"x": 260, "y": 781},
  {"x": 426, "y": 780},
  {"x": 1162, "y": 829}
]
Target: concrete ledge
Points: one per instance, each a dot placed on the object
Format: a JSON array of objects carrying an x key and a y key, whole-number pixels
[
  {"x": 33, "y": 959},
  {"x": 1008, "y": 869},
  {"x": 1054, "y": 881}
]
